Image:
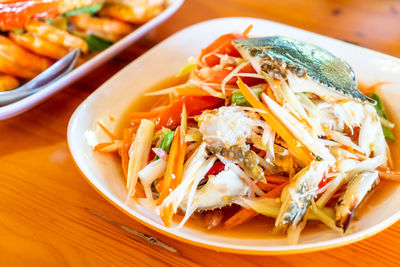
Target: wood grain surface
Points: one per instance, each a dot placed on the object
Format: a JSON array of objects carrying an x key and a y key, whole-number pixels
[{"x": 45, "y": 204}]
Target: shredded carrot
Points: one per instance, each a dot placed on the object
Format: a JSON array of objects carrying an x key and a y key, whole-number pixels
[
  {"x": 275, "y": 192},
  {"x": 144, "y": 115},
  {"x": 266, "y": 186},
  {"x": 166, "y": 215},
  {"x": 389, "y": 175},
  {"x": 124, "y": 150},
  {"x": 276, "y": 179},
  {"x": 301, "y": 152},
  {"x": 248, "y": 29},
  {"x": 107, "y": 147},
  {"x": 139, "y": 191},
  {"x": 136, "y": 117},
  {"x": 173, "y": 174},
  {"x": 110, "y": 134},
  {"x": 271, "y": 94},
  {"x": 170, "y": 173},
  {"x": 240, "y": 217},
  {"x": 244, "y": 215},
  {"x": 372, "y": 89}
]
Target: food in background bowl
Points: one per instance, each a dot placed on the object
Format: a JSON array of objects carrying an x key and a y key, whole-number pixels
[{"x": 34, "y": 34}]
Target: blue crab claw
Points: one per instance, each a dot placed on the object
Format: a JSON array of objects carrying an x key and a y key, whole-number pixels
[{"x": 277, "y": 55}]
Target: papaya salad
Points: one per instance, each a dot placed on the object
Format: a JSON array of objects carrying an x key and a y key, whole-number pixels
[
  {"x": 36, "y": 33},
  {"x": 275, "y": 126}
]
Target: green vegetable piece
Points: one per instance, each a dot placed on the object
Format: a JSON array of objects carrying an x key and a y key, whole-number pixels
[
  {"x": 91, "y": 10},
  {"x": 96, "y": 43},
  {"x": 238, "y": 98},
  {"x": 186, "y": 70},
  {"x": 166, "y": 142},
  {"x": 380, "y": 110},
  {"x": 59, "y": 22},
  {"x": 18, "y": 31}
]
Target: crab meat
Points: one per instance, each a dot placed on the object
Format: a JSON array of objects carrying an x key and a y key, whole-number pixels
[
  {"x": 301, "y": 190},
  {"x": 219, "y": 191},
  {"x": 225, "y": 127}
]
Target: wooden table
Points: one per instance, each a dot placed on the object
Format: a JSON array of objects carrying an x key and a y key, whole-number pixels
[{"x": 45, "y": 203}]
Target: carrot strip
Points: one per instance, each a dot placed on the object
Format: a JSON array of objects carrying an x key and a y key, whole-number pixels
[
  {"x": 107, "y": 147},
  {"x": 124, "y": 150},
  {"x": 276, "y": 179},
  {"x": 166, "y": 215},
  {"x": 295, "y": 147},
  {"x": 372, "y": 89},
  {"x": 240, "y": 217},
  {"x": 244, "y": 215},
  {"x": 266, "y": 186},
  {"x": 139, "y": 191},
  {"x": 275, "y": 192},
  {"x": 144, "y": 115},
  {"x": 170, "y": 173},
  {"x": 390, "y": 175},
  {"x": 248, "y": 29},
  {"x": 110, "y": 134}
]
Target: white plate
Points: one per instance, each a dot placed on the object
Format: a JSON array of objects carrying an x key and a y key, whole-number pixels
[
  {"x": 31, "y": 101},
  {"x": 164, "y": 60}
]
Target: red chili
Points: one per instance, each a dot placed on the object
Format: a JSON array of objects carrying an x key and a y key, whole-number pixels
[
  {"x": 216, "y": 168},
  {"x": 323, "y": 182},
  {"x": 171, "y": 116}
]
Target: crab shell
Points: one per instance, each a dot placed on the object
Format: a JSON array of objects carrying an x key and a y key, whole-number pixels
[{"x": 277, "y": 55}]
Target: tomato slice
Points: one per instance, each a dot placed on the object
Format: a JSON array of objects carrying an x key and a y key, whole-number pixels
[
  {"x": 220, "y": 75},
  {"x": 16, "y": 14},
  {"x": 223, "y": 45},
  {"x": 171, "y": 116}
]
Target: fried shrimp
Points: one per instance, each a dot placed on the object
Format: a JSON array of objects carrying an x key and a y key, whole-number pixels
[
  {"x": 12, "y": 54},
  {"x": 100, "y": 25},
  {"x": 8, "y": 82},
  {"x": 136, "y": 12},
  {"x": 56, "y": 36},
  {"x": 10, "y": 68},
  {"x": 38, "y": 45}
]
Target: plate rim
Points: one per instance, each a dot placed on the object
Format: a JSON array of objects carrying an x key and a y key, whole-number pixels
[{"x": 217, "y": 246}]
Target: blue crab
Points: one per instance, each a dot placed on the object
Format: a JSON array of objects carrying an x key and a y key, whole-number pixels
[{"x": 332, "y": 78}]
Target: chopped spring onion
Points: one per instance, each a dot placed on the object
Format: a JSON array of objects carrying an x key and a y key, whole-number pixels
[
  {"x": 96, "y": 43},
  {"x": 238, "y": 98},
  {"x": 186, "y": 70},
  {"x": 91, "y": 10},
  {"x": 166, "y": 142},
  {"x": 382, "y": 114}
]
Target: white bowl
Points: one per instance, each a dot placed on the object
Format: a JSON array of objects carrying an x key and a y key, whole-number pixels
[{"x": 114, "y": 97}]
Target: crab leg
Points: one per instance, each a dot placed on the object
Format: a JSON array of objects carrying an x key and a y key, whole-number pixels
[
  {"x": 356, "y": 190},
  {"x": 300, "y": 191}
]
